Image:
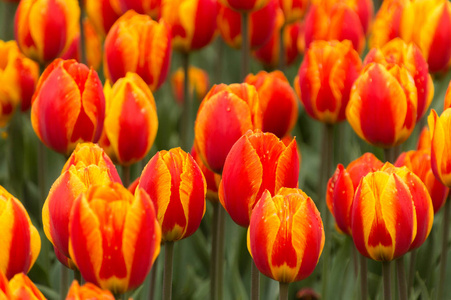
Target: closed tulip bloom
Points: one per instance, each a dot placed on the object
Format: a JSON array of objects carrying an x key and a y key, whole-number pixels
[
  {"x": 87, "y": 291},
  {"x": 293, "y": 10},
  {"x": 212, "y": 179},
  {"x": 382, "y": 108},
  {"x": 199, "y": 83},
  {"x": 45, "y": 29},
  {"x": 88, "y": 165},
  {"x": 136, "y": 43},
  {"x": 286, "y": 236},
  {"x": 225, "y": 114},
  {"x": 257, "y": 162},
  {"x": 22, "y": 288},
  {"x": 342, "y": 185},
  {"x": 261, "y": 24},
  {"x": 148, "y": 7},
  {"x": 102, "y": 15},
  {"x": 400, "y": 53},
  {"x": 325, "y": 79},
  {"x": 177, "y": 188},
  {"x": 428, "y": 25},
  {"x": 278, "y": 102},
  {"x": 68, "y": 106},
  {"x": 245, "y": 5},
  {"x": 131, "y": 121},
  {"x": 440, "y": 128},
  {"x": 19, "y": 239},
  {"x": 193, "y": 22},
  {"x": 114, "y": 236}
]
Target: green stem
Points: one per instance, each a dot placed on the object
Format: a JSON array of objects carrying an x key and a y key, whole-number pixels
[
  {"x": 64, "y": 281},
  {"x": 7, "y": 24},
  {"x": 255, "y": 282},
  {"x": 126, "y": 175},
  {"x": 220, "y": 252},
  {"x": 82, "y": 35},
  {"x": 152, "y": 280},
  {"x": 282, "y": 62},
  {"x": 363, "y": 277},
  {"x": 187, "y": 106},
  {"x": 42, "y": 163},
  {"x": 400, "y": 270},
  {"x": 444, "y": 254},
  {"x": 77, "y": 276},
  {"x": 355, "y": 260},
  {"x": 283, "y": 290},
  {"x": 214, "y": 252},
  {"x": 245, "y": 47},
  {"x": 387, "y": 280},
  {"x": 219, "y": 60},
  {"x": 411, "y": 276},
  {"x": 167, "y": 279},
  {"x": 390, "y": 154}
]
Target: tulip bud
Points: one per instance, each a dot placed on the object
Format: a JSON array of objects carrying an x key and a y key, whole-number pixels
[
  {"x": 87, "y": 291},
  {"x": 293, "y": 10},
  {"x": 440, "y": 128}
]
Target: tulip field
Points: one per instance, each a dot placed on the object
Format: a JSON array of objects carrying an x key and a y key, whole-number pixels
[{"x": 225, "y": 149}]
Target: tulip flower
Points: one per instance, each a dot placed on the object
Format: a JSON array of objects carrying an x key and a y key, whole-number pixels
[
  {"x": 131, "y": 120},
  {"x": 383, "y": 105},
  {"x": 102, "y": 15},
  {"x": 87, "y": 291},
  {"x": 45, "y": 29},
  {"x": 428, "y": 25},
  {"x": 22, "y": 287},
  {"x": 398, "y": 52},
  {"x": 325, "y": 78},
  {"x": 342, "y": 185},
  {"x": 447, "y": 103},
  {"x": 177, "y": 188},
  {"x": 225, "y": 114},
  {"x": 211, "y": 179},
  {"x": 192, "y": 22},
  {"x": 136, "y": 43},
  {"x": 245, "y": 5},
  {"x": 68, "y": 106},
  {"x": 257, "y": 162},
  {"x": 441, "y": 145},
  {"x": 278, "y": 102},
  {"x": 198, "y": 83},
  {"x": 19, "y": 239},
  {"x": 5, "y": 293},
  {"x": 114, "y": 236},
  {"x": 88, "y": 165},
  {"x": 293, "y": 10},
  {"x": 286, "y": 235},
  {"x": 148, "y": 7}
]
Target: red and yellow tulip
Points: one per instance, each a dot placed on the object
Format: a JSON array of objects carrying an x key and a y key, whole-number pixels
[
  {"x": 293, "y": 10},
  {"x": 102, "y": 15},
  {"x": 177, "y": 188},
  {"x": 68, "y": 106},
  {"x": 5, "y": 293},
  {"x": 114, "y": 236},
  {"x": 245, "y": 5},
  {"x": 22, "y": 288},
  {"x": 45, "y": 29},
  {"x": 286, "y": 235},
  {"x": 131, "y": 121},
  {"x": 199, "y": 83},
  {"x": 148, "y": 7},
  {"x": 136, "y": 43},
  {"x": 440, "y": 128},
  {"x": 87, "y": 291},
  {"x": 19, "y": 239},
  {"x": 325, "y": 79},
  {"x": 257, "y": 162}
]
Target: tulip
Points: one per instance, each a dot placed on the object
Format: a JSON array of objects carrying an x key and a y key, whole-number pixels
[
  {"x": 22, "y": 287},
  {"x": 19, "y": 239},
  {"x": 257, "y": 162},
  {"x": 428, "y": 25},
  {"x": 136, "y": 43},
  {"x": 325, "y": 78},
  {"x": 211, "y": 179},
  {"x": 131, "y": 120},
  {"x": 149, "y": 7},
  {"x": 398, "y": 52},
  {"x": 293, "y": 10},
  {"x": 342, "y": 185},
  {"x": 177, "y": 188},
  {"x": 245, "y": 5},
  {"x": 114, "y": 236},
  {"x": 87, "y": 291},
  {"x": 440, "y": 145},
  {"x": 5, "y": 293},
  {"x": 383, "y": 105},
  {"x": 286, "y": 235},
  {"x": 193, "y": 22},
  {"x": 68, "y": 106},
  {"x": 225, "y": 114},
  {"x": 447, "y": 103},
  {"x": 102, "y": 15},
  {"x": 278, "y": 102},
  {"x": 45, "y": 29},
  {"x": 198, "y": 83},
  {"x": 88, "y": 165}
]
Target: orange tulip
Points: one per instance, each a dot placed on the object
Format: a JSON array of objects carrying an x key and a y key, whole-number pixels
[
  {"x": 19, "y": 239},
  {"x": 398, "y": 52},
  {"x": 177, "y": 188},
  {"x": 22, "y": 288},
  {"x": 383, "y": 105},
  {"x": 440, "y": 128},
  {"x": 148, "y": 7},
  {"x": 131, "y": 120},
  {"x": 193, "y": 22},
  {"x": 87, "y": 291},
  {"x": 212, "y": 179},
  {"x": 278, "y": 102},
  {"x": 88, "y": 165},
  {"x": 428, "y": 25},
  {"x": 225, "y": 114},
  {"x": 68, "y": 106},
  {"x": 293, "y": 10},
  {"x": 136, "y": 43},
  {"x": 45, "y": 29},
  {"x": 114, "y": 236},
  {"x": 245, "y": 5},
  {"x": 286, "y": 235},
  {"x": 102, "y": 15},
  {"x": 261, "y": 24},
  {"x": 257, "y": 162},
  {"x": 198, "y": 82},
  {"x": 325, "y": 78}
]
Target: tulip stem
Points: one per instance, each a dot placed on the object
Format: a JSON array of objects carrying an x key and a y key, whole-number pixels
[
  {"x": 220, "y": 252},
  {"x": 363, "y": 277},
  {"x": 386, "y": 274},
  {"x": 42, "y": 162},
  {"x": 390, "y": 154},
  {"x": 355, "y": 260},
  {"x": 400, "y": 270},
  {"x": 64, "y": 284},
  {"x": 413, "y": 255},
  {"x": 283, "y": 290},
  {"x": 126, "y": 175},
  {"x": 167, "y": 279},
  {"x": 8, "y": 11},
  {"x": 152, "y": 279},
  {"x": 444, "y": 249},
  {"x": 77, "y": 276},
  {"x": 245, "y": 47},
  {"x": 214, "y": 252},
  {"x": 82, "y": 35},
  {"x": 187, "y": 105},
  {"x": 282, "y": 62},
  {"x": 255, "y": 282}
]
